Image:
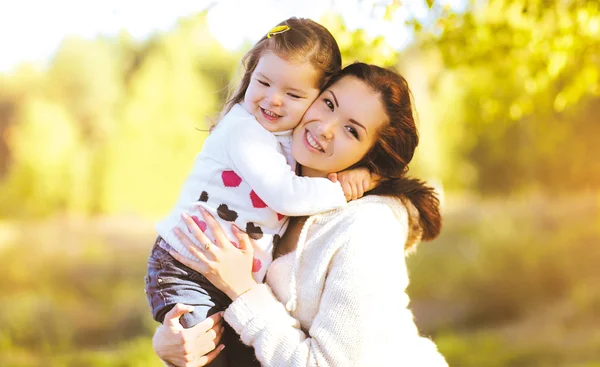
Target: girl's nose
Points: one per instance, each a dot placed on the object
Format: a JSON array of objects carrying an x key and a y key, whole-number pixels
[{"x": 274, "y": 99}]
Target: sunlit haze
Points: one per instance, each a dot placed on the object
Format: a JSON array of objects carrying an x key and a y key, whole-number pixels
[{"x": 31, "y": 30}]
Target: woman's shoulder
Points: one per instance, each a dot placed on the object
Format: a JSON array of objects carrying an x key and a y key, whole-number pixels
[
  {"x": 368, "y": 207},
  {"x": 377, "y": 214}
]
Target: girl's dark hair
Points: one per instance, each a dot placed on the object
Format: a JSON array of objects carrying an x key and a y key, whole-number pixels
[
  {"x": 305, "y": 41},
  {"x": 396, "y": 144}
]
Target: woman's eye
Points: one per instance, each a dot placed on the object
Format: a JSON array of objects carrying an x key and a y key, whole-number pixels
[
  {"x": 352, "y": 131},
  {"x": 263, "y": 83},
  {"x": 294, "y": 95},
  {"x": 329, "y": 104}
]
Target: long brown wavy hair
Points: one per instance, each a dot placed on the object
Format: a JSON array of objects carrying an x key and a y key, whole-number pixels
[{"x": 397, "y": 140}]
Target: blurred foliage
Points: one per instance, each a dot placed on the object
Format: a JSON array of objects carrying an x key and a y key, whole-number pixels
[
  {"x": 81, "y": 306},
  {"x": 513, "y": 290},
  {"x": 507, "y": 95},
  {"x": 517, "y": 94},
  {"x": 109, "y": 122},
  {"x": 506, "y": 92},
  {"x": 113, "y": 126},
  {"x": 493, "y": 290}
]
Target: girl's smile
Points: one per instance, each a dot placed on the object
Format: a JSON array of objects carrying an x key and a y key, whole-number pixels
[{"x": 280, "y": 91}]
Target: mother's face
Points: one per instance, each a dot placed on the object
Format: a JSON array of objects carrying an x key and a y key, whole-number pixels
[{"x": 339, "y": 128}]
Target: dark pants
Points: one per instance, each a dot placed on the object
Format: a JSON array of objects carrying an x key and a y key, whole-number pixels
[{"x": 169, "y": 282}]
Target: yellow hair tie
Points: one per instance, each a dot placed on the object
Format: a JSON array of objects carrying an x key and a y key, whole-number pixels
[{"x": 277, "y": 30}]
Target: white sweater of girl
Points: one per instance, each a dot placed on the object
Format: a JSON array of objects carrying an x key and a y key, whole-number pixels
[
  {"x": 339, "y": 299},
  {"x": 243, "y": 175}
]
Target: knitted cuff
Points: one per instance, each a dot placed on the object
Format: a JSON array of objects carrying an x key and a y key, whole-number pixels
[{"x": 248, "y": 306}]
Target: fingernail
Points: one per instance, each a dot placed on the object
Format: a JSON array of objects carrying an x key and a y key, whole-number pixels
[
  {"x": 222, "y": 347},
  {"x": 236, "y": 228},
  {"x": 203, "y": 210},
  {"x": 184, "y": 215}
]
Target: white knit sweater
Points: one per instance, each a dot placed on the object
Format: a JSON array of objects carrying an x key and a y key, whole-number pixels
[
  {"x": 345, "y": 294},
  {"x": 244, "y": 175}
]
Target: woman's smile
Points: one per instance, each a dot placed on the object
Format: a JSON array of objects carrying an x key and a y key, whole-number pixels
[
  {"x": 312, "y": 142},
  {"x": 339, "y": 128}
]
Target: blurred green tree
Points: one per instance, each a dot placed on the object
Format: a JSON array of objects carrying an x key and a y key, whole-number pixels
[
  {"x": 520, "y": 82},
  {"x": 111, "y": 126}
]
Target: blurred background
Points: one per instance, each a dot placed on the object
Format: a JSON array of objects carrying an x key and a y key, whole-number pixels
[{"x": 101, "y": 103}]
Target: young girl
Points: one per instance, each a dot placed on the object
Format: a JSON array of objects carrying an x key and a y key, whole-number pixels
[
  {"x": 245, "y": 174},
  {"x": 336, "y": 295}
]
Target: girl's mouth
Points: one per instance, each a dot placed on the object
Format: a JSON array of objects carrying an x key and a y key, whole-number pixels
[{"x": 269, "y": 115}]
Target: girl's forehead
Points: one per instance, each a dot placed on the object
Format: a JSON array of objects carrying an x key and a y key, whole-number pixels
[{"x": 287, "y": 70}]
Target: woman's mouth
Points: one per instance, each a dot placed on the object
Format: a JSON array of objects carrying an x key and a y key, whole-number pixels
[
  {"x": 311, "y": 142},
  {"x": 269, "y": 115}
]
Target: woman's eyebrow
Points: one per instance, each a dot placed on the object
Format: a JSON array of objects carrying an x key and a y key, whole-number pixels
[
  {"x": 351, "y": 120},
  {"x": 359, "y": 124},
  {"x": 334, "y": 98}
]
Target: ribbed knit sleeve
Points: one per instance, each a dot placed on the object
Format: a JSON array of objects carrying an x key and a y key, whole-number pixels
[{"x": 362, "y": 317}]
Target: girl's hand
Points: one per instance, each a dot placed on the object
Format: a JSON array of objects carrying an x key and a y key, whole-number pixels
[
  {"x": 227, "y": 267},
  {"x": 191, "y": 347},
  {"x": 355, "y": 182}
]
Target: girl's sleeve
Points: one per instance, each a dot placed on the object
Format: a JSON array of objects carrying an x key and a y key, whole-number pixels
[
  {"x": 362, "y": 317},
  {"x": 254, "y": 156}
]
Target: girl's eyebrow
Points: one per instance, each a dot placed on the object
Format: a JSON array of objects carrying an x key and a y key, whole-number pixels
[{"x": 263, "y": 76}]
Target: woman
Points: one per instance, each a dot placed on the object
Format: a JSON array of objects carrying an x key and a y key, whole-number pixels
[{"x": 334, "y": 296}]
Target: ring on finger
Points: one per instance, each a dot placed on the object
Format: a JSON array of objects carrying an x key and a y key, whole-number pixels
[{"x": 207, "y": 245}]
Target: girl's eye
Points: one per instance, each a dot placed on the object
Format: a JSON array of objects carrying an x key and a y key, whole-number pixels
[
  {"x": 352, "y": 131},
  {"x": 329, "y": 104},
  {"x": 263, "y": 83},
  {"x": 294, "y": 95}
]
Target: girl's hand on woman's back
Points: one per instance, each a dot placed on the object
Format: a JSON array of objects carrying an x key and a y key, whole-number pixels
[{"x": 355, "y": 182}]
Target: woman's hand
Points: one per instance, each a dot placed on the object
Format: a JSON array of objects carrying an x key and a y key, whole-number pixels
[
  {"x": 226, "y": 266},
  {"x": 191, "y": 347}
]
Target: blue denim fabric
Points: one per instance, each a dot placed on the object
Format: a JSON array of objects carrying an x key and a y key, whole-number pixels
[{"x": 169, "y": 282}]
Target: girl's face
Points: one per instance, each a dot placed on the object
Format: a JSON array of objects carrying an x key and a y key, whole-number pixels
[
  {"x": 339, "y": 128},
  {"x": 280, "y": 92}
]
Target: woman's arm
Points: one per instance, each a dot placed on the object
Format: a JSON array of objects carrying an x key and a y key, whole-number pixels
[{"x": 362, "y": 313}]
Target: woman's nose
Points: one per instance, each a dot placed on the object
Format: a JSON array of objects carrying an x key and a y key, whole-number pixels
[{"x": 325, "y": 129}]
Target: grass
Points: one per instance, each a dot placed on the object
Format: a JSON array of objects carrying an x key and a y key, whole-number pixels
[{"x": 508, "y": 283}]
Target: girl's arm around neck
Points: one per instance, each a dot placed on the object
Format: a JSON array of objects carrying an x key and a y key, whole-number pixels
[{"x": 254, "y": 156}]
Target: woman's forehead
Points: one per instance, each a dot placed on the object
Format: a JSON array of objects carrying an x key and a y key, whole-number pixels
[{"x": 356, "y": 100}]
